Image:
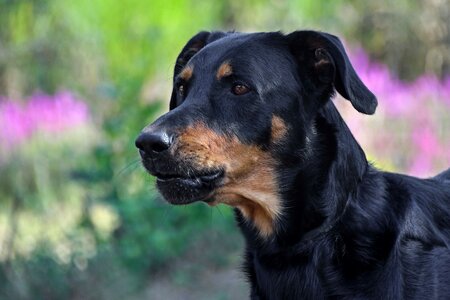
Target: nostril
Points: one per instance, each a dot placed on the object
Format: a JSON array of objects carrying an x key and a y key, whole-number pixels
[
  {"x": 159, "y": 141},
  {"x": 153, "y": 141},
  {"x": 139, "y": 143}
]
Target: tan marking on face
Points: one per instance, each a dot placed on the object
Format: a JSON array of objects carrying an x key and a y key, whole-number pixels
[
  {"x": 187, "y": 72},
  {"x": 224, "y": 70},
  {"x": 249, "y": 183},
  {"x": 278, "y": 130}
]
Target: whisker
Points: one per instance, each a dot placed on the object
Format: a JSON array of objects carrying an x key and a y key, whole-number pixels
[
  {"x": 217, "y": 207},
  {"x": 165, "y": 219},
  {"x": 128, "y": 166},
  {"x": 210, "y": 217},
  {"x": 153, "y": 188}
]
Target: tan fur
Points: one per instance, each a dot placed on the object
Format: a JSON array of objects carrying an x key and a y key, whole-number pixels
[
  {"x": 279, "y": 129},
  {"x": 187, "y": 72},
  {"x": 224, "y": 70},
  {"x": 249, "y": 183}
]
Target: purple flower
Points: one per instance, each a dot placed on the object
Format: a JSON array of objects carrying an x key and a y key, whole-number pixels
[
  {"x": 40, "y": 113},
  {"x": 446, "y": 89},
  {"x": 411, "y": 114},
  {"x": 427, "y": 147}
]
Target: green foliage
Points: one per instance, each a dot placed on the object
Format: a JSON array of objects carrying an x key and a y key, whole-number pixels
[
  {"x": 108, "y": 51},
  {"x": 43, "y": 277}
]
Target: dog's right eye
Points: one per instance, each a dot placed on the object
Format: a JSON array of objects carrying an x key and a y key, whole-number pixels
[
  {"x": 240, "y": 89},
  {"x": 181, "y": 90}
]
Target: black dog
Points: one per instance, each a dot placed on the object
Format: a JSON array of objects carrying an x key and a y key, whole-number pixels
[{"x": 251, "y": 125}]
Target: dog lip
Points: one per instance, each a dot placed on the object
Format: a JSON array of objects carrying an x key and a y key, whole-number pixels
[
  {"x": 179, "y": 189},
  {"x": 196, "y": 178},
  {"x": 208, "y": 178}
]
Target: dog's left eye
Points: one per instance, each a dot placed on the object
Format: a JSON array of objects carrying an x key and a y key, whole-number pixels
[{"x": 240, "y": 89}]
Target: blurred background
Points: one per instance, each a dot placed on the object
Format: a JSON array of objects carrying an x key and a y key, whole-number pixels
[{"x": 79, "y": 217}]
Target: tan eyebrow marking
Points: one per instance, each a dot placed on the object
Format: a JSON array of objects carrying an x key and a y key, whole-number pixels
[
  {"x": 225, "y": 69},
  {"x": 187, "y": 72},
  {"x": 279, "y": 129}
]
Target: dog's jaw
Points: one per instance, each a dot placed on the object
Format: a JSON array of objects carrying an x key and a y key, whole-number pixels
[{"x": 249, "y": 182}]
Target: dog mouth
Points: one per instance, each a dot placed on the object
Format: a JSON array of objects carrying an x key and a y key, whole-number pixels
[
  {"x": 195, "y": 178},
  {"x": 194, "y": 186}
]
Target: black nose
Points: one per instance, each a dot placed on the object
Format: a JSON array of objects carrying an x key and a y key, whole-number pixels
[{"x": 157, "y": 141}]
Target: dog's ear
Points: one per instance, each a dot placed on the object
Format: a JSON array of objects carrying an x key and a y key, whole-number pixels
[
  {"x": 325, "y": 57},
  {"x": 195, "y": 44}
]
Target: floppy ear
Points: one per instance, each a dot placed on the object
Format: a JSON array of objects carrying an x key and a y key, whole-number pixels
[
  {"x": 327, "y": 60},
  {"x": 195, "y": 44}
]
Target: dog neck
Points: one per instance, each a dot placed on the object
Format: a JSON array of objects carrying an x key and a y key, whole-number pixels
[{"x": 316, "y": 190}]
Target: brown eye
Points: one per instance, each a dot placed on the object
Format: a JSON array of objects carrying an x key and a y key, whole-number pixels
[
  {"x": 239, "y": 89},
  {"x": 181, "y": 90}
]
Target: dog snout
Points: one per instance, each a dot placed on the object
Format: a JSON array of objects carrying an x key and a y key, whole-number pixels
[{"x": 154, "y": 142}]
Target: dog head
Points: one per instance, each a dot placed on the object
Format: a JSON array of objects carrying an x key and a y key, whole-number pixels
[{"x": 242, "y": 109}]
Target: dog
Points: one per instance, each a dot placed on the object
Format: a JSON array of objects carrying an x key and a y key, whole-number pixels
[{"x": 251, "y": 125}]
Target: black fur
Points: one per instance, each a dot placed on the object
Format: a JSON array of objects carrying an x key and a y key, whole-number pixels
[{"x": 347, "y": 230}]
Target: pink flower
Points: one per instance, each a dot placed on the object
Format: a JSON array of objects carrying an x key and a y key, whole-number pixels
[
  {"x": 409, "y": 130},
  {"x": 428, "y": 148},
  {"x": 51, "y": 114}
]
